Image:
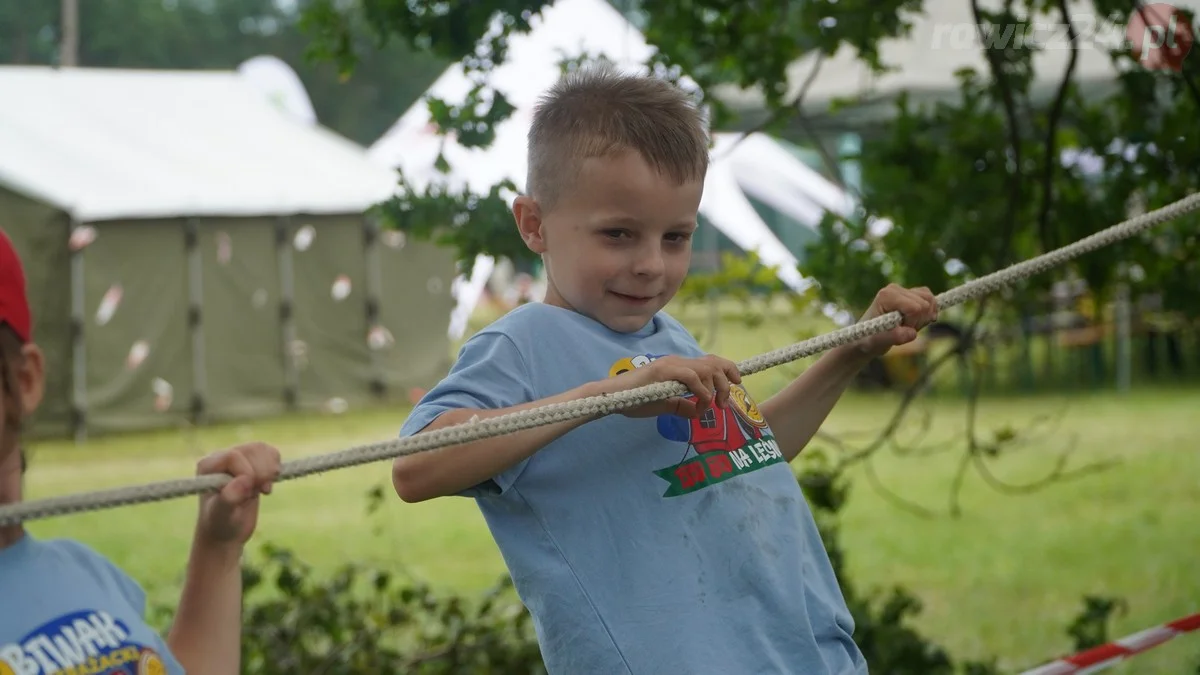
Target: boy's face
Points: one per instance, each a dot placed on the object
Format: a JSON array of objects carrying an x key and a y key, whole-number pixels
[{"x": 618, "y": 243}]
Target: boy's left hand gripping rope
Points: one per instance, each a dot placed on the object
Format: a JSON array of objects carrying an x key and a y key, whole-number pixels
[{"x": 594, "y": 406}]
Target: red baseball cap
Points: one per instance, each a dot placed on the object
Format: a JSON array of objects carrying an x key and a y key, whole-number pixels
[{"x": 14, "y": 305}]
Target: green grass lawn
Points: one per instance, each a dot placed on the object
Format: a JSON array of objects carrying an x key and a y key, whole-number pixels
[{"x": 1003, "y": 579}]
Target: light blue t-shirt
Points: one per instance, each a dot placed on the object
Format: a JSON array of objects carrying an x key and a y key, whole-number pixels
[
  {"x": 648, "y": 546},
  {"x": 66, "y": 609}
]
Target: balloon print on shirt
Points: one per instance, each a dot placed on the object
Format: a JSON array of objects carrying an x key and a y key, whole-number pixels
[
  {"x": 82, "y": 643},
  {"x": 728, "y": 442}
]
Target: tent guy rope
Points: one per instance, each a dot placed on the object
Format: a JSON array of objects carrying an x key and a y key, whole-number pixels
[{"x": 595, "y": 406}]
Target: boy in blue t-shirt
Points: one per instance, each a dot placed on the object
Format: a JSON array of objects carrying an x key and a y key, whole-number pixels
[
  {"x": 672, "y": 538},
  {"x": 64, "y": 608}
]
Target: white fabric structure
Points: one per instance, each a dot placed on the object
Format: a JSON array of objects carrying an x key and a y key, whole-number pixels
[
  {"x": 768, "y": 172},
  {"x": 568, "y": 28},
  {"x": 774, "y": 176},
  {"x": 280, "y": 84},
  {"x": 467, "y": 291},
  {"x": 111, "y": 143},
  {"x": 726, "y": 207}
]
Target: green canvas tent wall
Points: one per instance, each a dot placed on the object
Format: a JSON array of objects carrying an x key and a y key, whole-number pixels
[{"x": 195, "y": 255}]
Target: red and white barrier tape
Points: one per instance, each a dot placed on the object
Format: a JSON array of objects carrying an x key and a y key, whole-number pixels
[{"x": 1104, "y": 656}]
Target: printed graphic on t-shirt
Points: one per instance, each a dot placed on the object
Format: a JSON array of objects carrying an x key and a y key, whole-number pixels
[
  {"x": 729, "y": 442},
  {"x": 82, "y": 643}
]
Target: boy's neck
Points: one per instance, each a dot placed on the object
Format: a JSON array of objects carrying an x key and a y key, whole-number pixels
[
  {"x": 10, "y": 493},
  {"x": 10, "y": 534}
]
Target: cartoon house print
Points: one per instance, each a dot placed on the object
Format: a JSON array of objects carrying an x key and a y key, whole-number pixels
[
  {"x": 717, "y": 429},
  {"x": 722, "y": 429}
]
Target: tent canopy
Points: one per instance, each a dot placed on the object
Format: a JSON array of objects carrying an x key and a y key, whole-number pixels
[
  {"x": 105, "y": 144},
  {"x": 768, "y": 172},
  {"x": 565, "y": 29}
]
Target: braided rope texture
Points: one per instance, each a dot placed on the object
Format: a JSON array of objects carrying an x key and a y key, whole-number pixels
[{"x": 593, "y": 406}]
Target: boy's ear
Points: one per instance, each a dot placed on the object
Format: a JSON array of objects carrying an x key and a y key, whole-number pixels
[
  {"x": 31, "y": 378},
  {"x": 528, "y": 215}
]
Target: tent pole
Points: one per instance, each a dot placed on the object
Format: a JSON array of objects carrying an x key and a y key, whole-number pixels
[
  {"x": 68, "y": 46},
  {"x": 287, "y": 325},
  {"x": 78, "y": 349},
  {"x": 195, "y": 317},
  {"x": 374, "y": 285}
]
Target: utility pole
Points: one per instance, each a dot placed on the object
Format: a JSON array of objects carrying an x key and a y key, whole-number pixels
[
  {"x": 68, "y": 50},
  {"x": 1123, "y": 324}
]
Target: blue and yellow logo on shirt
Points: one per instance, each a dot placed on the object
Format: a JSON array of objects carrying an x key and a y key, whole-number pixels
[
  {"x": 81, "y": 643},
  {"x": 728, "y": 441}
]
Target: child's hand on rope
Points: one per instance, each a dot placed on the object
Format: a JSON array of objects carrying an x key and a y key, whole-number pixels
[
  {"x": 918, "y": 307},
  {"x": 229, "y": 517},
  {"x": 708, "y": 378}
]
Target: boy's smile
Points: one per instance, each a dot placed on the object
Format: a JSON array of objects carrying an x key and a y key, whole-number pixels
[
  {"x": 632, "y": 299},
  {"x": 617, "y": 245}
]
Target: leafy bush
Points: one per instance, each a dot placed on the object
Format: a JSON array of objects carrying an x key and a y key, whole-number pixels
[
  {"x": 359, "y": 620},
  {"x": 362, "y": 620}
]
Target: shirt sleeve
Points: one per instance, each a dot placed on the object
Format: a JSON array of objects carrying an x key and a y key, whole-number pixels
[{"x": 490, "y": 373}]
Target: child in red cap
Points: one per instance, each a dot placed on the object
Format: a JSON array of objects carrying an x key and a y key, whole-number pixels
[{"x": 68, "y": 609}]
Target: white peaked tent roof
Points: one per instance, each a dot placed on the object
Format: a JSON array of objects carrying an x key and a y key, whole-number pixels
[
  {"x": 275, "y": 79},
  {"x": 944, "y": 39},
  {"x": 112, "y": 143},
  {"x": 768, "y": 172},
  {"x": 568, "y": 28}
]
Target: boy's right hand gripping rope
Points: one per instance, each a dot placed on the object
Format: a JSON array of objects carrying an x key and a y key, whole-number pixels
[{"x": 593, "y": 406}]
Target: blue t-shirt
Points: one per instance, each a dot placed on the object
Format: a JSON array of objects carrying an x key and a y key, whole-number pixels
[
  {"x": 648, "y": 546},
  {"x": 66, "y": 609}
]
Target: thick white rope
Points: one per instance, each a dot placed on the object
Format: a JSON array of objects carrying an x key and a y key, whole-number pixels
[{"x": 588, "y": 407}]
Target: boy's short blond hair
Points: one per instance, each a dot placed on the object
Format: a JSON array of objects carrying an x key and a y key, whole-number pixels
[{"x": 599, "y": 111}]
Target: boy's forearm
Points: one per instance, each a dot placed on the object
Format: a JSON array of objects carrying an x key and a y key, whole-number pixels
[
  {"x": 207, "y": 631},
  {"x": 450, "y": 470},
  {"x": 798, "y": 411}
]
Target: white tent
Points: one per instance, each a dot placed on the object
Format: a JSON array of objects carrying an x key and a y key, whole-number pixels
[
  {"x": 110, "y": 163},
  {"x": 944, "y": 39},
  {"x": 568, "y": 28},
  {"x": 771, "y": 174}
]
